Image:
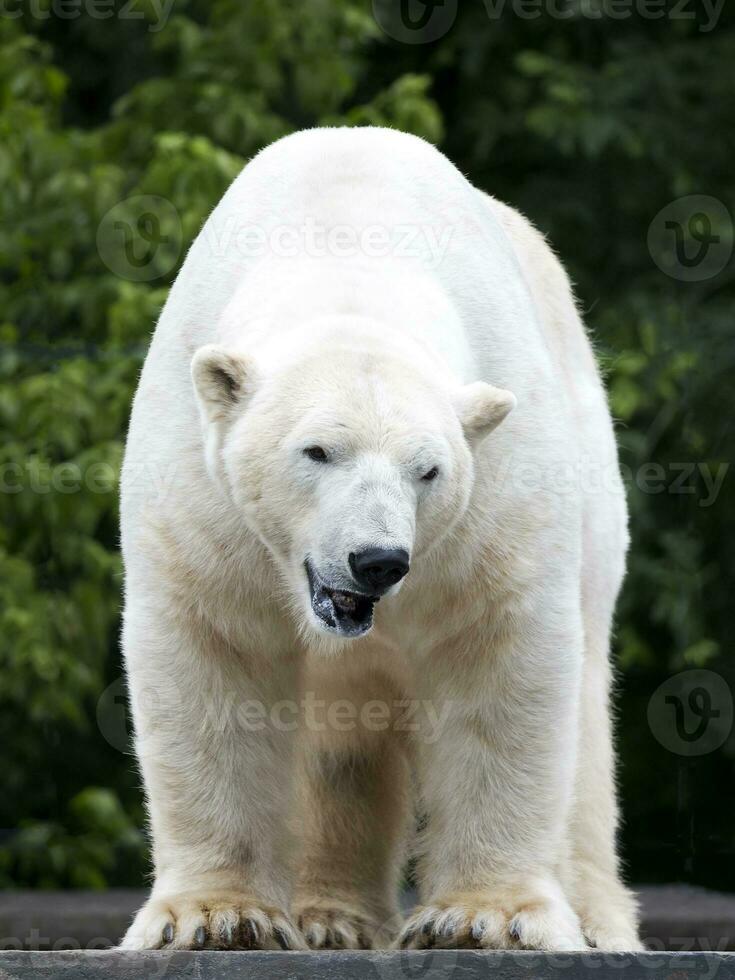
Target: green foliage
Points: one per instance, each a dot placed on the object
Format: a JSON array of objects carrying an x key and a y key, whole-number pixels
[
  {"x": 94, "y": 842},
  {"x": 591, "y": 127}
]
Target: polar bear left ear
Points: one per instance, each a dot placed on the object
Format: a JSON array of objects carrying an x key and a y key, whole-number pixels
[
  {"x": 223, "y": 379},
  {"x": 481, "y": 408}
]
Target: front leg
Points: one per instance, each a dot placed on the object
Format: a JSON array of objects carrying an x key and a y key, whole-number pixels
[
  {"x": 496, "y": 783},
  {"x": 357, "y": 808},
  {"x": 218, "y": 780}
]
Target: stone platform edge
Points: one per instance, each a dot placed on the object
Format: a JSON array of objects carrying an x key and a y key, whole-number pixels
[{"x": 351, "y": 965}]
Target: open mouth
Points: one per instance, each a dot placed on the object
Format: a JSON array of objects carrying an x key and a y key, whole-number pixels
[{"x": 347, "y": 613}]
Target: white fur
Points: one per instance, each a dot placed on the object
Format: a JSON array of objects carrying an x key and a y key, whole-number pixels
[{"x": 396, "y": 363}]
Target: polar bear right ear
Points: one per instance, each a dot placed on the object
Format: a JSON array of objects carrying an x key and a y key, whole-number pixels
[
  {"x": 223, "y": 380},
  {"x": 481, "y": 408}
]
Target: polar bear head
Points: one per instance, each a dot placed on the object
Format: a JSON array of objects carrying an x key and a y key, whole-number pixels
[{"x": 349, "y": 463}]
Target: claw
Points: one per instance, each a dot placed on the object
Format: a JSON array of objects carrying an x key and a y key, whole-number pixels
[
  {"x": 168, "y": 933},
  {"x": 200, "y": 936},
  {"x": 249, "y": 933}
]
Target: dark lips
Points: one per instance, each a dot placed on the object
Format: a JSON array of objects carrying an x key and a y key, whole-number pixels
[{"x": 346, "y": 613}]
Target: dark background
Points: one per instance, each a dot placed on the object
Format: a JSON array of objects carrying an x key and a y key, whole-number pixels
[{"x": 591, "y": 124}]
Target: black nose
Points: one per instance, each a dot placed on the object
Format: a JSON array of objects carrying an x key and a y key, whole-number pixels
[{"x": 379, "y": 568}]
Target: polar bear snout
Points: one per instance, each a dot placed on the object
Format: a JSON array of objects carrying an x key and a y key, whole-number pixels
[
  {"x": 336, "y": 609},
  {"x": 377, "y": 569}
]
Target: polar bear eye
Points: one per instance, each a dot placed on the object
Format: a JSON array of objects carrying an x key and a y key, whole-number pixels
[
  {"x": 316, "y": 453},
  {"x": 431, "y": 475}
]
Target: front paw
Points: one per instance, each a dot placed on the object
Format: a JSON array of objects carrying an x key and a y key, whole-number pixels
[
  {"x": 222, "y": 920},
  {"x": 335, "y": 925},
  {"x": 609, "y": 920},
  {"x": 501, "y": 918}
]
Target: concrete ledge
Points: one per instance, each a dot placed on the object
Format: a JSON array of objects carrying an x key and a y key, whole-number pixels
[{"x": 429, "y": 965}]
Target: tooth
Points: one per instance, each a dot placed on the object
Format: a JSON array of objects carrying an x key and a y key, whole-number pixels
[{"x": 345, "y": 601}]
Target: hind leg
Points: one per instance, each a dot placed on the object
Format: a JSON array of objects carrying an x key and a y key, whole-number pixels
[
  {"x": 607, "y": 909},
  {"x": 356, "y": 810}
]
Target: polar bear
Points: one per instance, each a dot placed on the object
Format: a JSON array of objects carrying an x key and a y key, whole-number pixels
[{"x": 373, "y": 529}]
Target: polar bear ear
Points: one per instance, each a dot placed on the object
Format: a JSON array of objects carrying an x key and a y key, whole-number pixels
[
  {"x": 481, "y": 408},
  {"x": 223, "y": 380}
]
